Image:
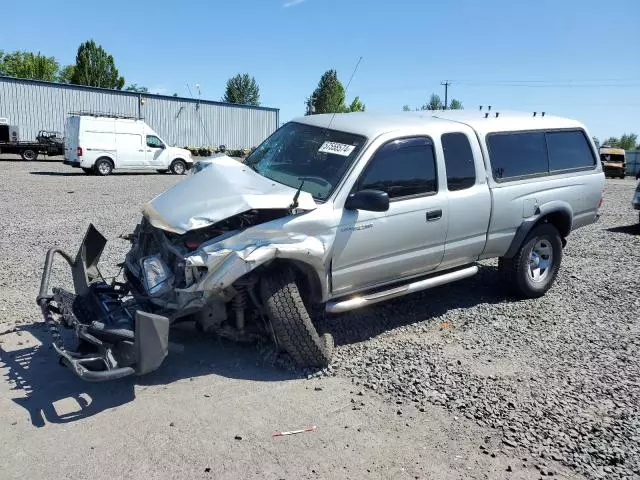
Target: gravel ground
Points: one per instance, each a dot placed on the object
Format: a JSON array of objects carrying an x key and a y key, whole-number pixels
[{"x": 558, "y": 377}]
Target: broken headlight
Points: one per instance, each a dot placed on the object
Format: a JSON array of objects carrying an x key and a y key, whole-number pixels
[{"x": 157, "y": 276}]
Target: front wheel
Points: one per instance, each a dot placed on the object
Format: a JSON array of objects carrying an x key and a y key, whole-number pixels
[
  {"x": 29, "y": 155},
  {"x": 534, "y": 268},
  {"x": 292, "y": 325},
  {"x": 178, "y": 167}
]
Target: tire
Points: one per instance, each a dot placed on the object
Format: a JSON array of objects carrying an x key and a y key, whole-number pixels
[
  {"x": 519, "y": 272},
  {"x": 103, "y": 167},
  {"x": 178, "y": 167},
  {"x": 291, "y": 322},
  {"x": 29, "y": 155},
  {"x": 88, "y": 171}
]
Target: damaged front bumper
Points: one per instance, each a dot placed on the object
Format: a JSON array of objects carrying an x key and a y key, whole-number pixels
[{"x": 115, "y": 334}]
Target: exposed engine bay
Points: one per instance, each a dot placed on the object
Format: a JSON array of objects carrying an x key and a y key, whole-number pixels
[{"x": 216, "y": 261}]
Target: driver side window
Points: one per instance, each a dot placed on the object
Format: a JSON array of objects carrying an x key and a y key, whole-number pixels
[
  {"x": 154, "y": 142},
  {"x": 403, "y": 168}
]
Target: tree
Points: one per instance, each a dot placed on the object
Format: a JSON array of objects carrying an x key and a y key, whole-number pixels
[
  {"x": 611, "y": 142},
  {"x": 242, "y": 89},
  {"x": 135, "y": 88},
  {"x": 66, "y": 74},
  {"x": 328, "y": 97},
  {"x": 96, "y": 68},
  {"x": 356, "y": 106},
  {"x": 455, "y": 105},
  {"x": 406, "y": 108},
  {"x": 434, "y": 103},
  {"x": 29, "y": 65},
  {"x": 628, "y": 141}
]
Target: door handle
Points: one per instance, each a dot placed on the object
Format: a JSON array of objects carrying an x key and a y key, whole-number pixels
[
  {"x": 433, "y": 215},
  {"x": 141, "y": 150}
]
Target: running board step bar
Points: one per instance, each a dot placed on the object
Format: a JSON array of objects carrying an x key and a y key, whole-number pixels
[{"x": 372, "y": 298}]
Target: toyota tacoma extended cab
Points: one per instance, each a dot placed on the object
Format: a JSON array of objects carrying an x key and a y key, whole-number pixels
[{"x": 330, "y": 213}]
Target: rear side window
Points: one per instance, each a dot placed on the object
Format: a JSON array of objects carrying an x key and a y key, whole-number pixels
[
  {"x": 459, "y": 161},
  {"x": 402, "y": 168},
  {"x": 518, "y": 154},
  {"x": 569, "y": 150}
]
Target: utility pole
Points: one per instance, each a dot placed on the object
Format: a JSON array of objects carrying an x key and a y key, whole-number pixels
[{"x": 446, "y": 93}]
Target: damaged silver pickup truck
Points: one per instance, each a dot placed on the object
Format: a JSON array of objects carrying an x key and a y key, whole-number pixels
[{"x": 330, "y": 214}]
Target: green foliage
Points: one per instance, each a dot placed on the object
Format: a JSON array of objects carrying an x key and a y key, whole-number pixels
[
  {"x": 242, "y": 89},
  {"x": 96, "y": 68},
  {"x": 328, "y": 97},
  {"x": 455, "y": 105},
  {"x": 135, "y": 88},
  {"x": 29, "y": 65},
  {"x": 434, "y": 103},
  {"x": 628, "y": 141},
  {"x": 357, "y": 105},
  {"x": 66, "y": 73},
  {"x": 406, "y": 108}
]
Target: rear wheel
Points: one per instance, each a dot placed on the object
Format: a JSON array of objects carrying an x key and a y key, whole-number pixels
[
  {"x": 178, "y": 167},
  {"x": 292, "y": 325},
  {"x": 29, "y": 155},
  {"x": 103, "y": 167},
  {"x": 533, "y": 269}
]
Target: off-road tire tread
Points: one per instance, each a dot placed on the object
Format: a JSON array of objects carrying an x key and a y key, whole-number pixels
[
  {"x": 291, "y": 322},
  {"x": 513, "y": 269}
]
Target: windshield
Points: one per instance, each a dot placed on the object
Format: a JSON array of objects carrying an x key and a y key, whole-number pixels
[
  {"x": 611, "y": 157},
  {"x": 297, "y": 152}
]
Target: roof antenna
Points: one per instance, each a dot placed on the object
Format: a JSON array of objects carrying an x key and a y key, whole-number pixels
[{"x": 345, "y": 90}]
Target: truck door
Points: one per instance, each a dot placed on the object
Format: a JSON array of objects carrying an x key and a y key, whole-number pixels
[
  {"x": 156, "y": 152},
  {"x": 469, "y": 198},
  {"x": 407, "y": 240}
]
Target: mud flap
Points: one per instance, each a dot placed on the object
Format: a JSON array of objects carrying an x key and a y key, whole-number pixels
[{"x": 151, "y": 340}]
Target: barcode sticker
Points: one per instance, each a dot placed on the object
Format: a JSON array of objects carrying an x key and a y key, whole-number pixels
[{"x": 337, "y": 148}]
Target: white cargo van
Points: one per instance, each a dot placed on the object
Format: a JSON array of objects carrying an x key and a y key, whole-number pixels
[{"x": 101, "y": 144}]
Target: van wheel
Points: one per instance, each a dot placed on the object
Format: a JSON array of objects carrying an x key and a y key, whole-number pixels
[
  {"x": 534, "y": 268},
  {"x": 88, "y": 171},
  {"x": 29, "y": 155},
  {"x": 178, "y": 167},
  {"x": 292, "y": 325},
  {"x": 103, "y": 167}
]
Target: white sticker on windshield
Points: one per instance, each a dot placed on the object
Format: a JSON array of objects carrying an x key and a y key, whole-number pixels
[{"x": 337, "y": 148}]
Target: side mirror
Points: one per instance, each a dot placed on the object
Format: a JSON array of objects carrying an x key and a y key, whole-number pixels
[{"x": 368, "y": 200}]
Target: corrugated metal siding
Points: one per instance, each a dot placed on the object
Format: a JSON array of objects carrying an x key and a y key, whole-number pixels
[
  {"x": 35, "y": 106},
  {"x": 633, "y": 162}
]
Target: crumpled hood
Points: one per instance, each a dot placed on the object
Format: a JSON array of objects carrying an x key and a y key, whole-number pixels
[{"x": 224, "y": 189}]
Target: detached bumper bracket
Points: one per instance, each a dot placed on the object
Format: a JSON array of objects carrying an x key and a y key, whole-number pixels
[{"x": 150, "y": 339}]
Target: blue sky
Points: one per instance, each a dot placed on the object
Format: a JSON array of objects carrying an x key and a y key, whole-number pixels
[{"x": 568, "y": 57}]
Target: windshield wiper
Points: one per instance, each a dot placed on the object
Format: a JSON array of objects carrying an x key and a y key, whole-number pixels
[{"x": 294, "y": 204}]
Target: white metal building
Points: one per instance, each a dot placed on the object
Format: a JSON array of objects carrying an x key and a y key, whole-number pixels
[{"x": 34, "y": 105}]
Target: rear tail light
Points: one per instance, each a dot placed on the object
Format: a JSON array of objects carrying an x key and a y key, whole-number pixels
[{"x": 79, "y": 151}]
